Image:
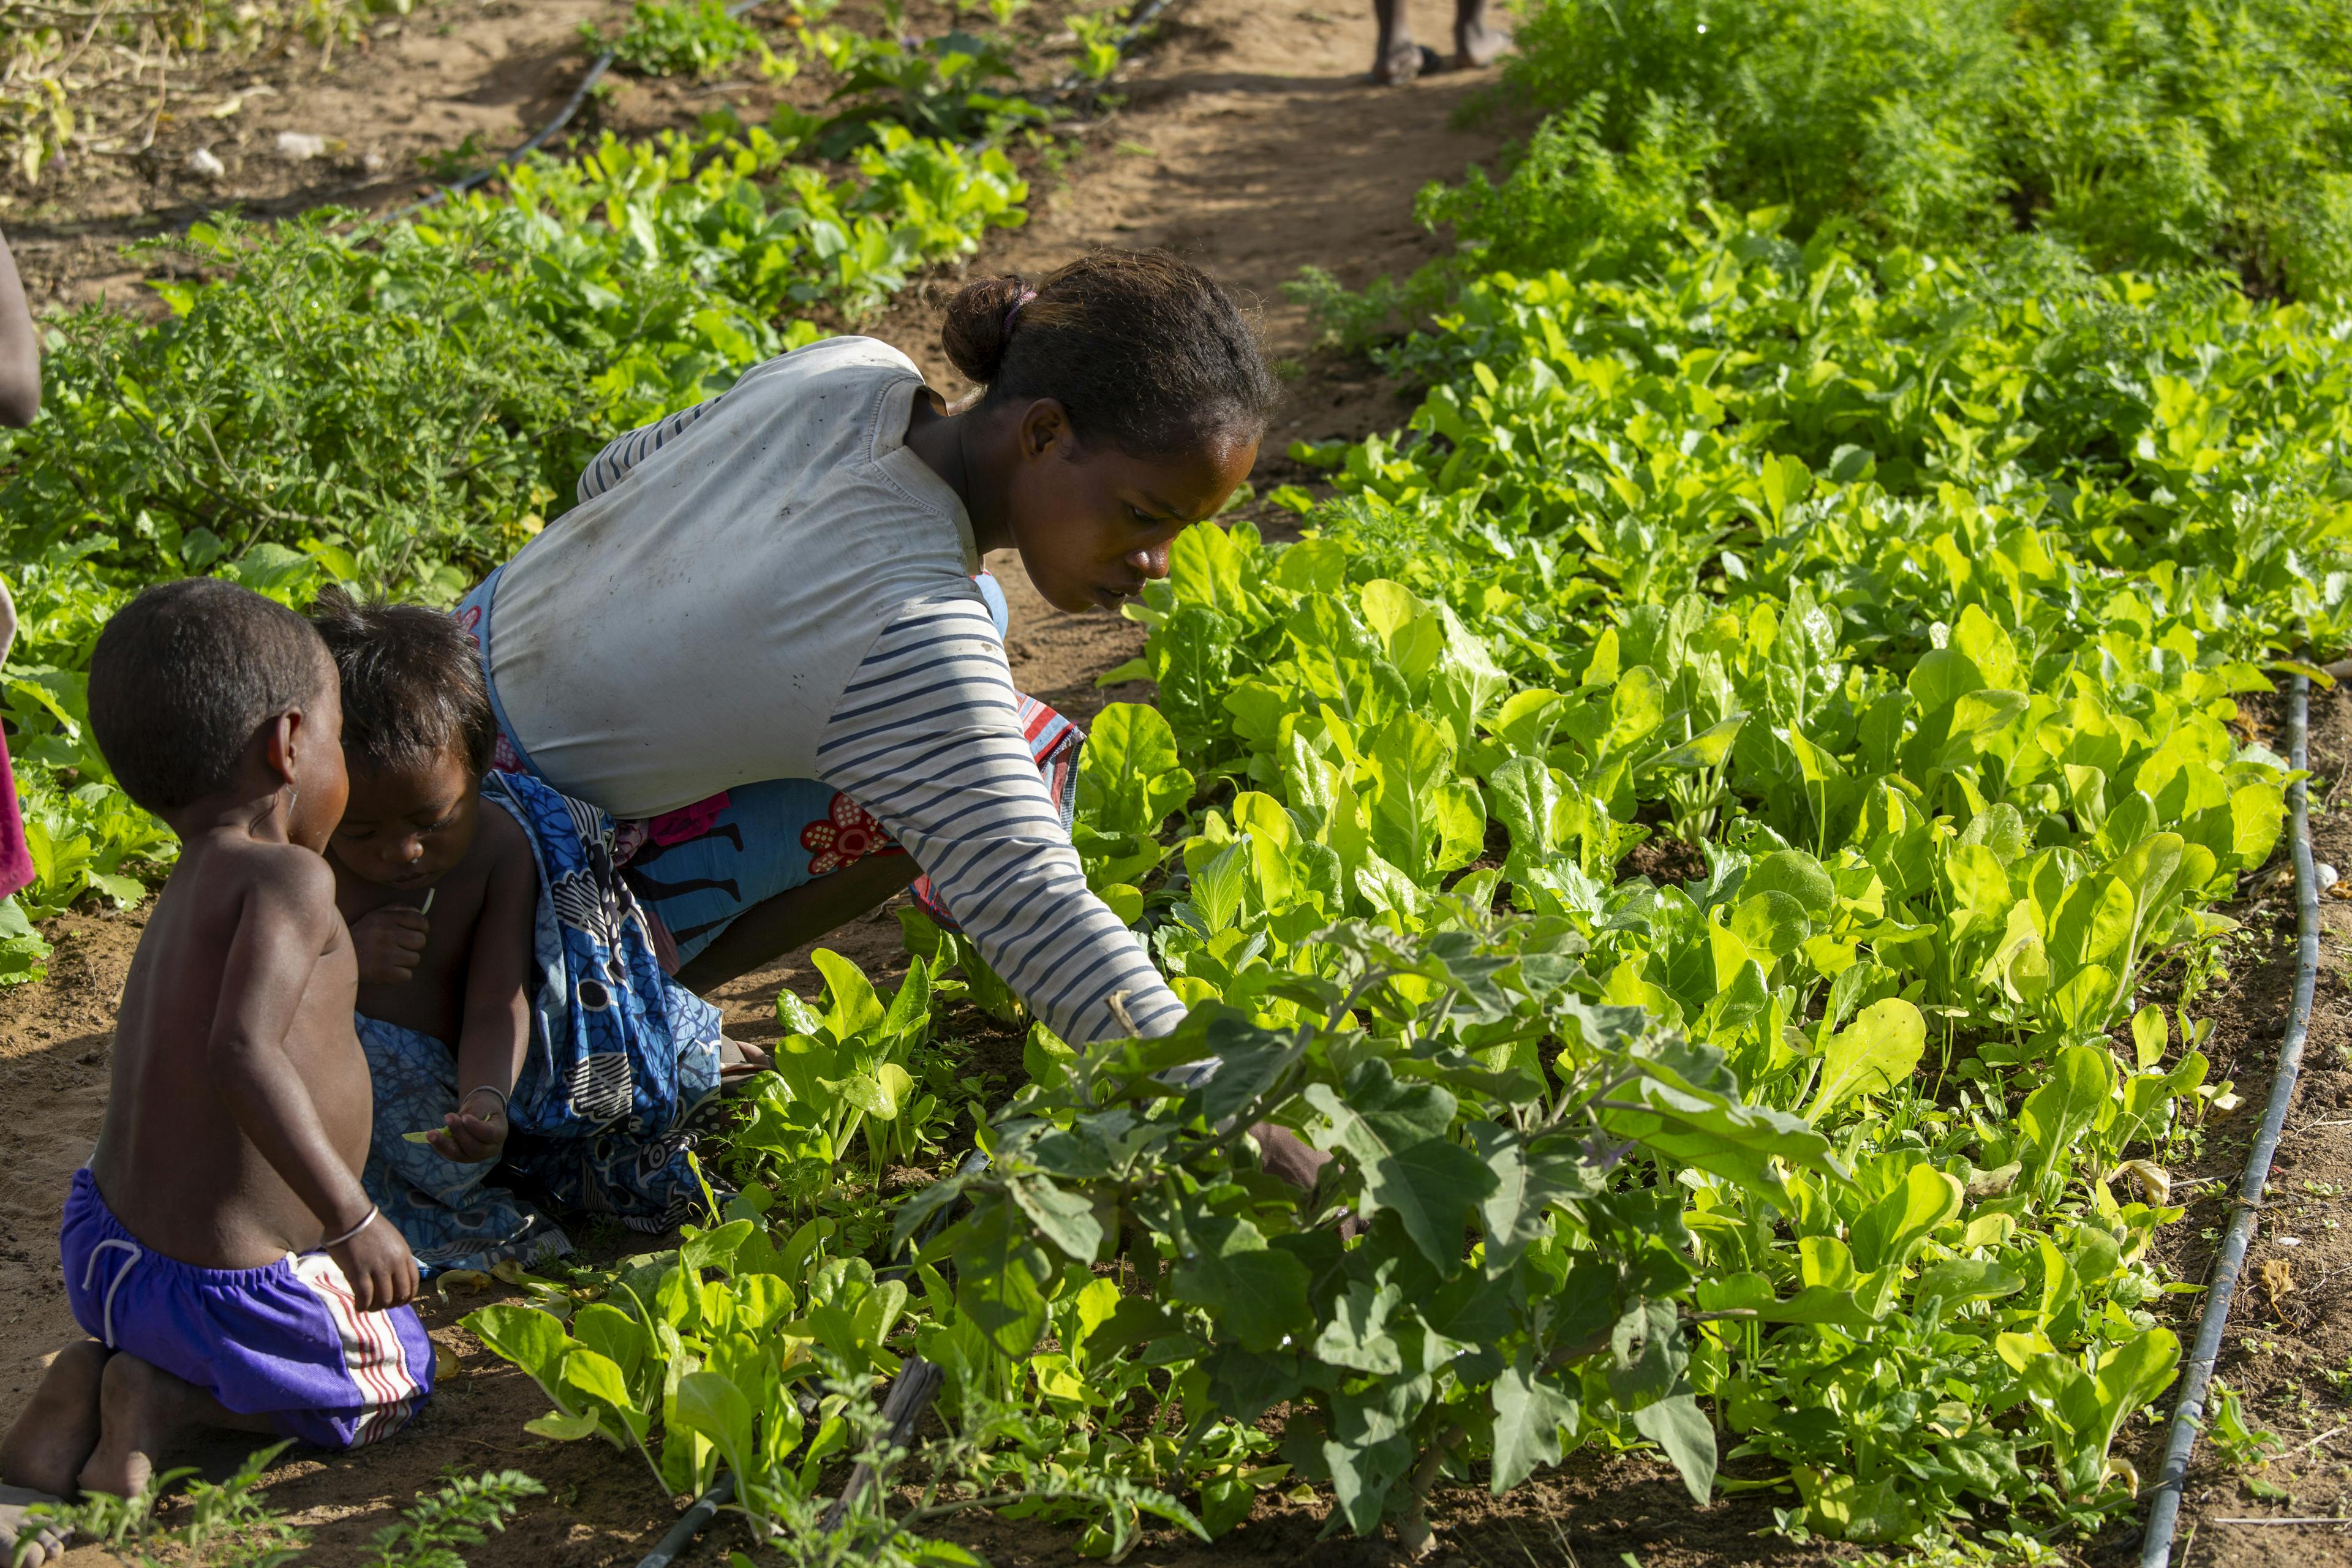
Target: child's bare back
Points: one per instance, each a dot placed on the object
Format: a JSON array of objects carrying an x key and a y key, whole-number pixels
[
  {"x": 220, "y": 1250},
  {"x": 172, "y": 1161}
]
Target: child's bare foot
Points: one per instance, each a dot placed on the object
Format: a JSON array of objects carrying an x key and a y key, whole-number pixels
[
  {"x": 51, "y": 1441},
  {"x": 47, "y": 1540},
  {"x": 145, "y": 1411}
]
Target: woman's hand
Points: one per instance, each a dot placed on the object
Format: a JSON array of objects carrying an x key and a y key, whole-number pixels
[
  {"x": 470, "y": 1139},
  {"x": 391, "y": 943}
]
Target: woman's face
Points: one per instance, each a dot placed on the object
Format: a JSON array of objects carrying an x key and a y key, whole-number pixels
[{"x": 1093, "y": 525}]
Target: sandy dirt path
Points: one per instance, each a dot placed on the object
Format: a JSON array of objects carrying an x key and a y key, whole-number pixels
[{"x": 1248, "y": 145}]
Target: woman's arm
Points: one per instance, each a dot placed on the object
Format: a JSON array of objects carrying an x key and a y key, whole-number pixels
[
  {"x": 20, "y": 348},
  {"x": 925, "y": 738}
]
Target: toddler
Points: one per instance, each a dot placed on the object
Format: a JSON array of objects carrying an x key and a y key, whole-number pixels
[
  {"x": 516, "y": 1023},
  {"x": 219, "y": 1247}
]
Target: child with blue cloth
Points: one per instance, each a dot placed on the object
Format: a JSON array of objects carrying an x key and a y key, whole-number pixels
[
  {"x": 523, "y": 1039},
  {"x": 220, "y": 1247}
]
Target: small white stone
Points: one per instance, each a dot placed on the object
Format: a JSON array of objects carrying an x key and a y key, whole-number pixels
[
  {"x": 301, "y": 147},
  {"x": 204, "y": 165},
  {"x": 373, "y": 161},
  {"x": 2323, "y": 875}
]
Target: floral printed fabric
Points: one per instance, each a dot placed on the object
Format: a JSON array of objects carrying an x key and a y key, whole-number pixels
[
  {"x": 847, "y": 835},
  {"x": 617, "y": 1048}
]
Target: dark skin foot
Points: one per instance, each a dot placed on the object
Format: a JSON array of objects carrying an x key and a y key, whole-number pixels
[
  {"x": 145, "y": 1413},
  {"x": 1396, "y": 58},
  {"x": 55, "y": 1436},
  {"x": 1398, "y": 65},
  {"x": 739, "y": 1060},
  {"x": 47, "y": 1542},
  {"x": 1475, "y": 42},
  {"x": 46, "y": 1449}
]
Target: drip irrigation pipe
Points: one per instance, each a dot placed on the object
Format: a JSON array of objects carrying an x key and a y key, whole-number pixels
[
  {"x": 2163, "y": 1511},
  {"x": 691, "y": 1523},
  {"x": 911, "y": 1392}
]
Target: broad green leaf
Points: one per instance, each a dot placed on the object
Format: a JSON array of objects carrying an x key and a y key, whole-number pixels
[
  {"x": 2066, "y": 1106},
  {"x": 713, "y": 1248},
  {"x": 1357, "y": 1335},
  {"x": 1256, "y": 1294},
  {"x": 1066, "y": 1220},
  {"x": 604, "y": 1327},
  {"x": 1525, "y": 796},
  {"x": 1707, "y": 749},
  {"x": 1771, "y": 922},
  {"x": 1967, "y": 1279},
  {"x": 1130, "y": 775},
  {"x": 588, "y": 1371},
  {"x": 1530, "y": 1411},
  {"x": 525, "y": 1336},
  {"x": 1677, "y": 1425},
  {"x": 1752, "y": 1145},
  {"x": 712, "y": 1405},
  {"x": 999, "y": 1282},
  {"x": 1397, "y": 1135},
  {"x": 566, "y": 1428},
  {"x": 1636, "y": 708},
  {"x": 1892, "y": 1229},
  {"x": 853, "y": 1009},
  {"x": 1797, "y": 874},
  {"x": 1877, "y": 1051}
]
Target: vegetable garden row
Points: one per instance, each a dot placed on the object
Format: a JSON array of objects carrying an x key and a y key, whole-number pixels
[{"x": 1720, "y": 828}]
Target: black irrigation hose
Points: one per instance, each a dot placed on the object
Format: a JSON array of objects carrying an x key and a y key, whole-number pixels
[
  {"x": 2164, "y": 1512},
  {"x": 691, "y": 1523}
]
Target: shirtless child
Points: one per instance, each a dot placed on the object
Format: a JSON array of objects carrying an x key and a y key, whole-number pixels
[
  {"x": 518, "y": 1029},
  {"x": 439, "y": 888},
  {"x": 220, "y": 1245}
]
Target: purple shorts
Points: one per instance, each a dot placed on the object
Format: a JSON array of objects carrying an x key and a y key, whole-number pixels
[{"x": 286, "y": 1341}]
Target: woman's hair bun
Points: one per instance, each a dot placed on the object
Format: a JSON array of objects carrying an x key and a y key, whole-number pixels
[
  {"x": 1140, "y": 348},
  {"x": 979, "y": 325}
]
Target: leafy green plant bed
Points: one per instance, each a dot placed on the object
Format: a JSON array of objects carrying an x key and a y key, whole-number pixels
[
  {"x": 1912, "y": 593},
  {"x": 2146, "y": 133}
]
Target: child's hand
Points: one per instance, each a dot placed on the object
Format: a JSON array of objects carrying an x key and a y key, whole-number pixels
[
  {"x": 378, "y": 1264},
  {"x": 390, "y": 943},
  {"x": 470, "y": 1139}
]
